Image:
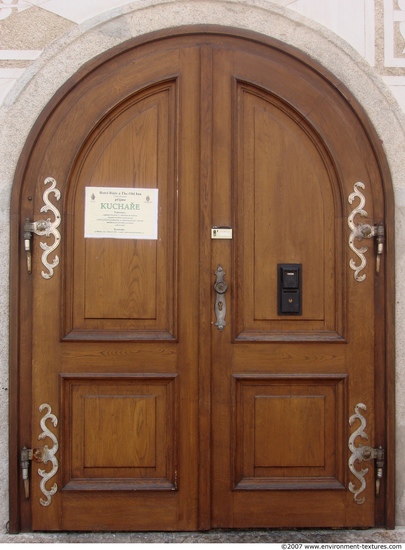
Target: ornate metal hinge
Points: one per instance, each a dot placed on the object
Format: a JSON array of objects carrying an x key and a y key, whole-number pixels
[
  {"x": 363, "y": 453},
  {"x": 44, "y": 228},
  {"x": 44, "y": 455},
  {"x": 363, "y": 231}
]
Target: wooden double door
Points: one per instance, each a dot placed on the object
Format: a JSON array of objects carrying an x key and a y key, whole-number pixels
[{"x": 164, "y": 421}]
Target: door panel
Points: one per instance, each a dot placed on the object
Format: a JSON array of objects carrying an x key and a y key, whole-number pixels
[
  {"x": 121, "y": 371},
  {"x": 166, "y": 422},
  {"x": 285, "y": 199},
  {"x": 283, "y": 385},
  {"x": 134, "y": 146},
  {"x": 100, "y": 454},
  {"x": 302, "y": 450}
]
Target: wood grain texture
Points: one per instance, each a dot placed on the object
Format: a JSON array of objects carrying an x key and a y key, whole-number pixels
[{"x": 165, "y": 422}]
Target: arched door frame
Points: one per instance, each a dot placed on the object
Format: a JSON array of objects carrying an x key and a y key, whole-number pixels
[{"x": 18, "y": 405}]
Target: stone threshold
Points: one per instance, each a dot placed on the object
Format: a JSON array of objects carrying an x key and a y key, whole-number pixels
[{"x": 242, "y": 536}]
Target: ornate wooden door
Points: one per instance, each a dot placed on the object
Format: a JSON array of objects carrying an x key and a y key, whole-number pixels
[
  {"x": 166, "y": 422},
  {"x": 297, "y": 355}
]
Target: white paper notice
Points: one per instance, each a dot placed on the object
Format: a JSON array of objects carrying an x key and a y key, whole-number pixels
[{"x": 121, "y": 213}]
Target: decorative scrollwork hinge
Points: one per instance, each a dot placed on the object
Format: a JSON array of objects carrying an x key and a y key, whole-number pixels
[
  {"x": 363, "y": 453},
  {"x": 44, "y": 228},
  {"x": 363, "y": 231},
  {"x": 44, "y": 455}
]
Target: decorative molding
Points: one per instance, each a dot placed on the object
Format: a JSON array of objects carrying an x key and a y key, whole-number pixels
[
  {"x": 7, "y": 7},
  {"x": 19, "y": 55},
  {"x": 394, "y": 29},
  {"x": 397, "y": 87}
]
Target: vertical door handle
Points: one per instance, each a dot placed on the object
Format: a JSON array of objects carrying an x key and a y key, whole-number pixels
[{"x": 220, "y": 288}]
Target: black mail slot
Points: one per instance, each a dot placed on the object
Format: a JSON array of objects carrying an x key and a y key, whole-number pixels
[{"x": 289, "y": 289}]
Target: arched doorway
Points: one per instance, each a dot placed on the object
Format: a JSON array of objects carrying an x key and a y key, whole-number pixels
[{"x": 169, "y": 417}]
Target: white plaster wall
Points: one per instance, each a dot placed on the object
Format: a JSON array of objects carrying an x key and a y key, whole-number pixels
[{"x": 41, "y": 79}]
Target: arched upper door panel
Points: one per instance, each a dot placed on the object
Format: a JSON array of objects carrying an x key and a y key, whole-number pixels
[
  {"x": 287, "y": 183},
  {"x": 133, "y": 146}
]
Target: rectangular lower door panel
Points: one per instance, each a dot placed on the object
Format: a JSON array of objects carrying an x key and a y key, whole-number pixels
[
  {"x": 121, "y": 432},
  {"x": 287, "y": 432}
]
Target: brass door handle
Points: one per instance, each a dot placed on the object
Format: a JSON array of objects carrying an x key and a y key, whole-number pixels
[{"x": 220, "y": 288}]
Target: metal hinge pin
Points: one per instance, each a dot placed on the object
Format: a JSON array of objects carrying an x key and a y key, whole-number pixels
[
  {"x": 368, "y": 453},
  {"x": 26, "y": 456},
  {"x": 379, "y": 470},
  {"x": 41, "y": 227},
  {"x": 366, "y": 231}
]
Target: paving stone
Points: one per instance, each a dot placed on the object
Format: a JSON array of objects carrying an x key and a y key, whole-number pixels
[{"x": 263, "y": 536}]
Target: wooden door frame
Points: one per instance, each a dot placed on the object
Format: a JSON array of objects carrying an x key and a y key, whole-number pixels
[{"x": 22, "y": 323}]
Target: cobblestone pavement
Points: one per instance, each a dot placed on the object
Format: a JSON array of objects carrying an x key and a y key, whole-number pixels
[{"x": 380, "y": 536}]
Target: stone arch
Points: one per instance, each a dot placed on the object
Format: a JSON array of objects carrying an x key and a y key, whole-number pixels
[{"x": 63, "y": 59}]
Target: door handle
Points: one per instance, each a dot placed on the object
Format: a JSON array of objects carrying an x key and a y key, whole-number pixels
[{"x": 220, "y": 288}]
